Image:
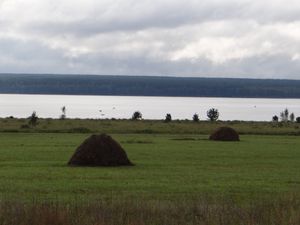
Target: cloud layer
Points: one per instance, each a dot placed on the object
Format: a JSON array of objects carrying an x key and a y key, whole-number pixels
[{"x": 220, "y": 38}]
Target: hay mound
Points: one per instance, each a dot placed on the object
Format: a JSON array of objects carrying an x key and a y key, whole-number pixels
[
  {"x": 224, "y": 134},
  {"x": 99, "y": 150}
]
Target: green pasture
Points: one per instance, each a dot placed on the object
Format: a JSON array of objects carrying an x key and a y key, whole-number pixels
[
  {"x": 145, "y": 126},
  {"x": 34, "y": 166}
]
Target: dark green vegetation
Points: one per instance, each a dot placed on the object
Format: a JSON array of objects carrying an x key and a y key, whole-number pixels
[
  {"x": 137, "y": 115},
  {"x": 148, "y": 86},
  {"x": 144, "y": 126},
  {"x": 179, "y": 176},
  {"x": 213, "y": 114}
]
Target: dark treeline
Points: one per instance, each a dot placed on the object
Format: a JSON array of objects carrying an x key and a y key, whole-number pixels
[{"x": 148, "y": 86}]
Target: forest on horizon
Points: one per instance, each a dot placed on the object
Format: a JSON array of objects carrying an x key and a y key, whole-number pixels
[{"x": 147, "y": 86}]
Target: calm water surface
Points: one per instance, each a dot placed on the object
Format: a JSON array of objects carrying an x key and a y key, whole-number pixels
[{"x": 151, "y": 107}]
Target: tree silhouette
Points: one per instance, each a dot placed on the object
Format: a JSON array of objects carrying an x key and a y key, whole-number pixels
[
  {"x": 275, "y": 118},
  {"x": 63, "y": 115},
  {"x": 284, "y": 115},
  {"x": 213, "y": 114},
  {"x": 168, "y": 118},
  {"x": 292, "y": 117},
  {"x": 33, "y": 119},
  {"x": 196, "y": 118},
  {"x": 137, "y": 115}
]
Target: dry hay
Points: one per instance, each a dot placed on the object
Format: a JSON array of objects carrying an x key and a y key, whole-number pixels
[
  {"x": 224, "y": 134},
  {"x": 100, "y": 150}
]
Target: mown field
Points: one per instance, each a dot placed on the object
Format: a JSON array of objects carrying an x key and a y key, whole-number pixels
[
  {"x": 178, "y": 178},
  {"x": 167, "y": 166}
]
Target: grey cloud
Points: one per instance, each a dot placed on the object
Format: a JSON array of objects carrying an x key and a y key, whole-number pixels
[
  {"x": 256, "y": 67},
  {"x": 224, "y": 38},
  {"x": 137, "y": 15},
  {"x": 28, "y": 56}
]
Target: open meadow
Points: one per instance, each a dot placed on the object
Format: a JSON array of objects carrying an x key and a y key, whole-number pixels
[
  {"x": 178, "y": 178},
  {"x": 121, "y": 126}
]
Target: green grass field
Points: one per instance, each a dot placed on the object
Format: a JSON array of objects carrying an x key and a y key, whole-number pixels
[
  {"x": 173, "y": 167},
  {"x": 179, "y": 177},
  {"x": 144, "y": 126}
]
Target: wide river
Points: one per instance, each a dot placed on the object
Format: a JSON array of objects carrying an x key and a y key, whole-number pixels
[{"x": 100, "y": 107}]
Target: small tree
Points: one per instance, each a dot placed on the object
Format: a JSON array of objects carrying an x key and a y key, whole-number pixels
[
  {"x": 298, "y": 119},
  {"x": 168, "y": 118},
  {"x": 196, "y": 117},
  {"x": 137, "y": 115},
  {"x": 63, "y": 115},
  {"x": 33, "y": 119},
  {"x": 275, "y": 118},
  {"x": 213, "y": 114},
  {"x": 292, "y": 117},
  {"x": 284, "y": 115}
]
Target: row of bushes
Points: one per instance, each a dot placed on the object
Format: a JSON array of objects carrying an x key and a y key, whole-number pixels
[
  {"x": 286, "y": 116},
  {"x": 212, "y": 115}
]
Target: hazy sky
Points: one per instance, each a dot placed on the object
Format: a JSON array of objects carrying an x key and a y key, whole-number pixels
[{"x": 220, "y": 38}]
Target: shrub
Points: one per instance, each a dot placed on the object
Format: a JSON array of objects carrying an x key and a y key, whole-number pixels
[
  {"x": 33, "y": 119},
  {"x": 196, "y": 117},
  {"x": 275, "y": 118},
  {"x": 168, "y": 118},
  {"x": 213, "y": 114},
  {"x": 298, "y": 119},
  {"x": 137, "y": 115}
]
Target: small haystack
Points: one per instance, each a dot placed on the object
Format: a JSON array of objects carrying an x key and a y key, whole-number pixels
[
  {"x": 224, "y": 134},
  {"x": 99, "y": 150}
]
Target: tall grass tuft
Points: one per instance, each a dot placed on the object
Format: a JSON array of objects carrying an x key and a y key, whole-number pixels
[{"x": 284, "y": 211}]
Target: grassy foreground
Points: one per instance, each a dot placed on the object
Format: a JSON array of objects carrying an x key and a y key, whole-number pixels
[
  {"x": 180, "y": 177},
  {"x": 197, "y": 212}
]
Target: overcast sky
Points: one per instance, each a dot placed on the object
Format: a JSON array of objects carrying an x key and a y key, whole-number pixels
[{"x": 211, "y": 38}]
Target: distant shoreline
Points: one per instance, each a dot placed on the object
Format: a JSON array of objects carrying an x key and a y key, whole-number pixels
[
  {"x": 157, "y": 96},
  {"x": 148, "y": 86}
]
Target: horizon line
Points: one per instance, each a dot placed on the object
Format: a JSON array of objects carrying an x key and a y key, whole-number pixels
[{"x": 153, "y": 75}]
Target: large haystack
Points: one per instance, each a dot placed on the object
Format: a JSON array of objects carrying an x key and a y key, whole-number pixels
[
  {"x": 224, "y": 134},
  {"x": 99, "y": 150}
]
